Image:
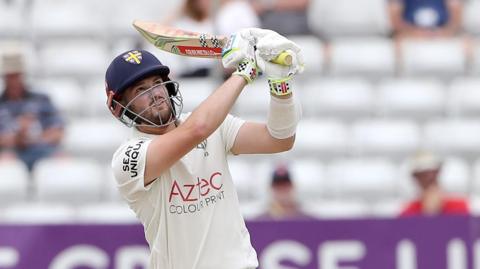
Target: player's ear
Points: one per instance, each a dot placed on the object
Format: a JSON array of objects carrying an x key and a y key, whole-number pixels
[{"x": 112, "y": 105}]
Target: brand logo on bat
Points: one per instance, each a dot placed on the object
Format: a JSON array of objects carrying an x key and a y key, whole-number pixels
[
  {"x": 199, "y": 51},
  {"x": 133, "y": 57}
]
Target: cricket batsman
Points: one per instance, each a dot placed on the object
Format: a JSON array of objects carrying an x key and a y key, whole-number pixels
[{"x": 173, "y": 170}]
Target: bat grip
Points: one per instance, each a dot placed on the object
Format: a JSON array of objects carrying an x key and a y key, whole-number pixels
[{"x": 284, "y": 58}]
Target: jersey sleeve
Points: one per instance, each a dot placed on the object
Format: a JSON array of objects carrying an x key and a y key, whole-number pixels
[
  {"x": 128, "y": 165},
  {"x": 229, "y": 130}
]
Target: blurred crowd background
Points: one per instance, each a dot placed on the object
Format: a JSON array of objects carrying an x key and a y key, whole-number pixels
[{"x": 390, "y": 95}]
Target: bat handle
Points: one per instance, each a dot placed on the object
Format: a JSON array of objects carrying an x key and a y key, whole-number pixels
[{"x": 284, "y": 58}]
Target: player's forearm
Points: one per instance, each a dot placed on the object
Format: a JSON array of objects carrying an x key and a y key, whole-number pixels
[{"x": 208, "y": 116}]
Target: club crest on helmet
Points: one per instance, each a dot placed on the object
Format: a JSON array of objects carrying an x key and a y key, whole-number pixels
[{"x": 133, "y": 57}]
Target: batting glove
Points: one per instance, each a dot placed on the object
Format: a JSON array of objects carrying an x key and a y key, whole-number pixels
[
  {"x": 248, "y": 69},
  {"x": 237, "y": 49}
]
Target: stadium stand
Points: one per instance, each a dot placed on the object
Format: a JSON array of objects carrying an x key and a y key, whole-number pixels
[{"x": 366, "y": 108}]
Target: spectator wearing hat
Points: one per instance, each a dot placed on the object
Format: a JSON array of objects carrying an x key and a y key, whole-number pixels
[
  {"x": 30, "y": 126},
  {"x": 283, "y": 203},
  {"x": 432, "y": 199}
]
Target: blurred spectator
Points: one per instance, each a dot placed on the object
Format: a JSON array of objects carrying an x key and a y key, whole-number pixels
[
  {"x": 284, "y": 16},
  {"x": 30, "y": 127},
  {"x": 283, "y": 201},
  {"x": 196, "y": 16},
  {"x": 432, "y": 199},
  {"x": 426, "y": 18}
]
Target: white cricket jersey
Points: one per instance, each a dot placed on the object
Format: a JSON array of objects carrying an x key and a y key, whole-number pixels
[{"x": 191, "y": 215}]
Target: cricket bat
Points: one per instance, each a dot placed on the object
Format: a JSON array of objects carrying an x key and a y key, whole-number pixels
[{"x": 191, "y": 44}]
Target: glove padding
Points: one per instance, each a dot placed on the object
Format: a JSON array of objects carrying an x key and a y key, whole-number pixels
[
  {"x": 269, "y": 45},
  {"x": 238, "y": 48}
]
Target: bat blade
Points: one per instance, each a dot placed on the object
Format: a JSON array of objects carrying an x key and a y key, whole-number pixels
[
  {"x": 188, "y": 43},
  {"x": 181, "y": 42}
]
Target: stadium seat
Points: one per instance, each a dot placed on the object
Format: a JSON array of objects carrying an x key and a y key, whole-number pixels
[
  {"x": 254, "y": 99},
  {"x": 308, "y": 177},
  {"x": 366, "y": 179},
  {"x": 476, "y": 58},
  {"x": 132, "y": 10},
  {"x": 12, "y": 20},
  {"x": 443, "y": 58},
  {"x": 475, "y": 180},
  {"x": 38, "y": 213},
  {"x": 348, "y": 18},
  {"x": 390, "y": 137},
  {"x": 372, "y": 57},
  {"x": 195, "y": 91},
  {"x": 253, "y": 209},
  {"x": 68, "y": 180},
  {"x": 95, "y": 100},
  {"x": 475, "y": 205},
  {"x": 14, "y": 181},
  {"x": 455, "y": 176},
  {"x": 313, "y": 52},
  {"x": 98, "y": 137},
  {"x": 352, "y": 97},
  {"x": 243, "y": 178},
  {"x": 471, "y": 17},
  {"x": 337, "y": 209},
  {"x": 453, "y": 136},
  {"x": 411, "y": 97},
  {"x": 68, "y": 18},
  {"x": 80, "y": 59},
  {"x": 464, "y": 96},
  {"x": 106, "y": 213},
  {"x": 321, "y": 138},
  {"x": 65, "y": 94},
  {"x": 387, "y": 208}
]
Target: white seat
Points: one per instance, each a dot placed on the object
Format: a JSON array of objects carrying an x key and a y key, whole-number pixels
[
  {"x": 106, "y": 213},
  {"x": 347, "y": 18},
  {"x": 453, "y": 136},
  {"x": 12, "y": 19},
  {"x": 386, "y": 136},
  {"x": 14, "y": 181},
  {"x": 78, "y": 58},
  {"x": 471, "y": 17},
  {"x": 387, "y": 208},
  {"x": 65, "y": 94},
  {"x": 321, "y": 137},
  {"x": 313, "y": 52},
  {"x": 455, "y": 176},
  {"x": 308, "y": 177},
  {"x": 38, "y": 213},
  {"x": 243, "y": 178},
  {"x": 195, "y": 91},
  {"x": 476, "y": 58},
  {"x": 362, "y": 56},
  {"x": 474, "y": 204},
  {"x": 345, "y": 97},
  {"x": 68, "y": 180},
  {"x": 67, "y": 18},
  {"x": 254, "y": 99},
  {"x": 95, "y": 99},
  {"x": 411, "y": 97},
  {"x": 445, "y": 57},
  {"x": 99, "y": 137},
  {"x": 140, "y": 9},
  {"x": 464, "y": 96},
  {"x": 476, "y": 178},
  {"x": 365, "y": 179},
  {"x": 337, "y": 209}
]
